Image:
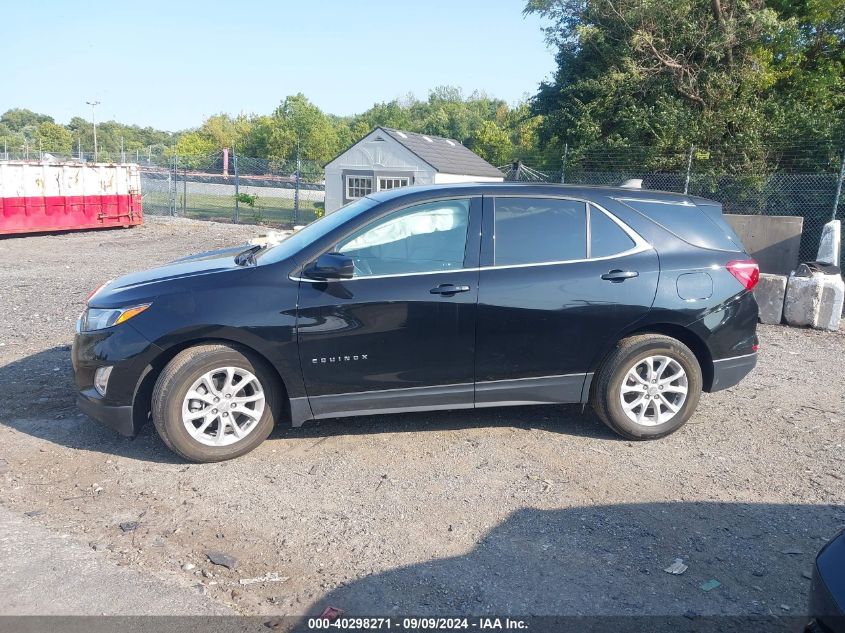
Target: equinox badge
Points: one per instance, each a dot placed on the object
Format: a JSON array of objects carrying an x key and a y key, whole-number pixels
[{"x": 338, "y": 359}]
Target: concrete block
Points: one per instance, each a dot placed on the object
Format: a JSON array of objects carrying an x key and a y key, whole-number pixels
[
  {"x": 833, "y": 297},
  {"x": 803, "y": 300},
  {"x": 770, "y": 292},
  {"x": 831, "y": 243}
]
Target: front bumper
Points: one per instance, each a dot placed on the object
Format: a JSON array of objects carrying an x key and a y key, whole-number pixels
[
  {"x": 727, "y": 372},
  {"x": 115, "y": 416},
  {"x": 130, "y": 355}
]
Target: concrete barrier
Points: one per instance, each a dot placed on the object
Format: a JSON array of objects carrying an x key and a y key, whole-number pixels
[
  {"x": 769, "y": 293},
  {"x": 833, "y": 297},
  {"x": 830, "y": 243},
  {"x": 814, "y": 301},
  {"x": 803, "y": 300},
  {"x": 773, "y": 240}
]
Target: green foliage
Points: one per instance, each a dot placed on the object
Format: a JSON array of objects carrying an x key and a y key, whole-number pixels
[
  {"x": 297, "y": 126},
  {"x": 247, "y": 199},
  {"x": 20, "y": 119},
  {"x": 667, "y": 75},
  {"x": 54, "y": 138},
  {"x": 643, "y": 79}
]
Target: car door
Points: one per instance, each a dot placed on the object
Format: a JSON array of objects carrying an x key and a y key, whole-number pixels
[
  {"x": 559, "y": 278},
  {"x": 400, "y": 334}
]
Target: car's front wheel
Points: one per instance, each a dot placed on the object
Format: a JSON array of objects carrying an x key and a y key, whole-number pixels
[
  {"x": 648, "y": 387},
  {"x": 214, "y": 402}
]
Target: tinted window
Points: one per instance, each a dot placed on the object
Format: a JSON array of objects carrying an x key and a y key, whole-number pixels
[
  {"x": 690, "y": 223},
  {"x": 422, "y": 238},
  {"x": 537, "y": 230},
  {"x": 606, "y": 237}
]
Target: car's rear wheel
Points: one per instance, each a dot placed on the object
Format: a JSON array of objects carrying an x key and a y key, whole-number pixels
[
  {"x": 648, "y": 386},
  {"x": 214, "y": 402}
]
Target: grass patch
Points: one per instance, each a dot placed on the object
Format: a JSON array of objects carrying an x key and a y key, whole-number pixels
[{"x": 275, "y": 211}]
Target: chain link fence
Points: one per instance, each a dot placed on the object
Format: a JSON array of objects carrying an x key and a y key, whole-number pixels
[
  {"x": 227, "y": 187},
  {"x": 805, "y": 182}
]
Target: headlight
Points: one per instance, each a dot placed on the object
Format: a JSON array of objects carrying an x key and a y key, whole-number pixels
[{"x": 101, "y": 318}]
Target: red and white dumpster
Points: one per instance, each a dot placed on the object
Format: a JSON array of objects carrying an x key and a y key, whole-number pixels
[{"x": 47, "y": 196}]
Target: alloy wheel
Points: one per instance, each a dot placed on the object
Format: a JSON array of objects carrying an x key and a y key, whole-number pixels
[
  {"x": 223, "y": 406},
  {"x": 654, "y": 390}
]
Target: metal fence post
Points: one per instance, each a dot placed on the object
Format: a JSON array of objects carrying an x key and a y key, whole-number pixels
[
  {"x": 175, "y": 184},
  {"x": 563, "y": 163},
  {"x": 237, "y": 184},
  {"x": 296, "y": 191},
  {"x": 185, "y": 191},
  {"x": 838, "y": 187},
  {"x": 689, "y": 168}
]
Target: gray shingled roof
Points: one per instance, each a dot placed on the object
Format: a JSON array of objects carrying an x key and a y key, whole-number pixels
[{"x": 447, "y": 156}]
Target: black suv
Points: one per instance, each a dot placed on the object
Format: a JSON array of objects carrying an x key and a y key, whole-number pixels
[{"x": 424, "y": 298}]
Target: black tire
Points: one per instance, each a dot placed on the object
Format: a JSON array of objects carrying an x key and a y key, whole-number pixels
[
  {"x": 180, "y": 374},
  {"x": 606, "y": 387}
]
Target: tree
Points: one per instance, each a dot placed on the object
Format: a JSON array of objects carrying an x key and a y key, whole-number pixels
[
  {"x": 54, "y": 138},
  {"x": 665, "y": 75},
  {"x": 17, "y": 119},
  {"x": 195, "y": 143},
  {"x": 493, "y": 143},
  {"x": 297, "y": 125}
]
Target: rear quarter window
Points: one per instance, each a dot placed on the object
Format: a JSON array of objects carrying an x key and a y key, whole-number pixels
[
  {"x": 606, "y": 237},
  {"x": 690, "y": 223}
]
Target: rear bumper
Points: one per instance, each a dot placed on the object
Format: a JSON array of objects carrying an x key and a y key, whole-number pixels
[{"x": 727, "y": 372}]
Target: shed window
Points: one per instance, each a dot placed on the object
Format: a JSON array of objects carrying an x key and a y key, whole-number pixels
[
  {"x": 391, "y": 183},
  {"x": 358, "y": 186}
]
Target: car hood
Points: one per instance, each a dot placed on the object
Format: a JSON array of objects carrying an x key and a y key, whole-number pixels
[{"x": 147, "y": 283}]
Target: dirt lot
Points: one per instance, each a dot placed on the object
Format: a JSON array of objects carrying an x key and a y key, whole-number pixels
[{"x": 523, "y": 511}]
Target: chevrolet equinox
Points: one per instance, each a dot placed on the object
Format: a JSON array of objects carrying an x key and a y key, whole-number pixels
[{"x": 424, "y": 298}]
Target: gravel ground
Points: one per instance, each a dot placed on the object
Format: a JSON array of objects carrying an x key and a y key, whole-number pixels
[{"x": 536, "y": 510}]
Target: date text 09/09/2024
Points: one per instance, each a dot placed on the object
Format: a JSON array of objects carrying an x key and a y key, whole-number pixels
[{"x": 415, "y": 624}]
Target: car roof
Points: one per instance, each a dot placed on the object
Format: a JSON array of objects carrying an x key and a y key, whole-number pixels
[{"x": 533, "y": 188}]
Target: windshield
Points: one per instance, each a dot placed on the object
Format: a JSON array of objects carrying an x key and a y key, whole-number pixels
[{"x": 315, "y": 231}]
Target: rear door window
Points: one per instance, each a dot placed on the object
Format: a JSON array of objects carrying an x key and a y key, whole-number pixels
[
  {"x": 606, "y": 237},
  {"x": 539, "y": 230}
]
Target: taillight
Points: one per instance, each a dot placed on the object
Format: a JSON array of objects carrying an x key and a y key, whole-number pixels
[{"x": 746, "y": 271}]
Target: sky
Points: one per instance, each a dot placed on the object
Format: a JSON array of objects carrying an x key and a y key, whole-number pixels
[{"x": 172, "y": 64}]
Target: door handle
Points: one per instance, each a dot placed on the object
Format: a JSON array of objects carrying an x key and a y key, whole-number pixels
[
  {"x": 615, "y": 276},
  {"x": 448, "y": 289}
]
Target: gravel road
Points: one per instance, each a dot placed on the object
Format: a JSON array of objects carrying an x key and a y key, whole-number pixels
[{"x": 524, "y": 511}]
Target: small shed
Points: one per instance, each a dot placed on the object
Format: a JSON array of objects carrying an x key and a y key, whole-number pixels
[{"x": 388, "y": 158}]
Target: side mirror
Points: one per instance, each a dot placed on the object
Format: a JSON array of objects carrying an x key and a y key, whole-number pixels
[{"x": 330, "y": 266}]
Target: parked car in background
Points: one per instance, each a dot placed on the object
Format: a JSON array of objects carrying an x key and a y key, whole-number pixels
[
  {"x": 827, "y": 596},
  {"x": 424, "y": 298}
]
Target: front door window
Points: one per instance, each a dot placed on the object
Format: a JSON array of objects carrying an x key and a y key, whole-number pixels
[{"x": 423, "y": 238}]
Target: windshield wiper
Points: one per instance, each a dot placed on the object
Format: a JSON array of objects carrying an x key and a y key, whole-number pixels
[{"x": 247, "y": 257}]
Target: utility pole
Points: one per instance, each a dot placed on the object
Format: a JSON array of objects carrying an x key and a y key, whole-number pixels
[
  {"x": 94, "y": 105},
  {"x": 79, "y": 147},
  {"x": 122, "y": 151}
]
